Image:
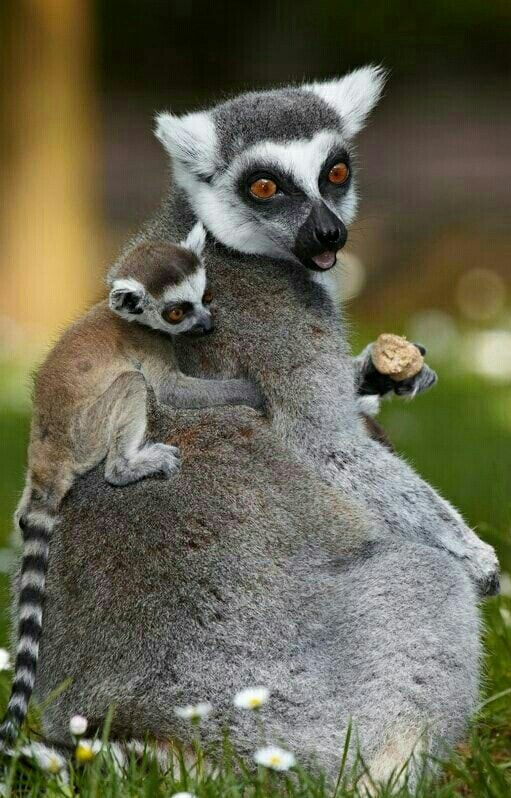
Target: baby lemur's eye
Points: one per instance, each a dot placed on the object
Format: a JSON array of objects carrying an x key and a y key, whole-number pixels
[
  {"x": 263, "y": 188},
  {"x": 207, "y": 297},
  {"x": 174, "y": 316},
  {"x": 339, "y": 173}
]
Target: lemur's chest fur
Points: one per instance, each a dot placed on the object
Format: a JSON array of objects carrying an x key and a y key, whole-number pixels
[{"x": 267, "y": 318}]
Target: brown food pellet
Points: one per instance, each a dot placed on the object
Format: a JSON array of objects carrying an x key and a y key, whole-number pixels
[{"x": 395, "y": 356}]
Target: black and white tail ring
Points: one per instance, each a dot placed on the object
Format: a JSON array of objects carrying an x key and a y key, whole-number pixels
[{"x": 36, "y": 528}]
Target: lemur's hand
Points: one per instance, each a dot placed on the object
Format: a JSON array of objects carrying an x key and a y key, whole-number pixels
[{"x": 370, "y": 382}]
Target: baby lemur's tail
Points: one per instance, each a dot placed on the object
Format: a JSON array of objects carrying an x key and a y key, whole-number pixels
[{"x": 36, "y": 527}]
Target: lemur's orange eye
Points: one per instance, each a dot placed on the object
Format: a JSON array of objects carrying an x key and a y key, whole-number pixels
[
  {"x": 174, "y": 316},
  {"x": 339, "y": 173},
  {"x": 263, "y": 188},
  {"x": 207, "y": 297}
]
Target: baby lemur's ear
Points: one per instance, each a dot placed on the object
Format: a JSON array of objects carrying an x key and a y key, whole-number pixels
[
  {"x": 195, "y": 240},
  {"x": 127, "y": 297}
]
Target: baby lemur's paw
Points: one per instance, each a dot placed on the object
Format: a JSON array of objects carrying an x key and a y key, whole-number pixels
[
  {"x": 422, "y": 381},
  {"x": 151, "y": 460},
  {"x": 166, "y": 458}
]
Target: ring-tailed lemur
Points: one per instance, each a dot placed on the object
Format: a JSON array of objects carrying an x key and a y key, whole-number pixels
[
  {"x": 273, "y": 174},
  {"x": 90, "y": 404},
  {"x": 260, "y": 578}
]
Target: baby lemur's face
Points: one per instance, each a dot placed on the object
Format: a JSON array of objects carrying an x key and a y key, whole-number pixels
[{"x": 163, "y": 286}]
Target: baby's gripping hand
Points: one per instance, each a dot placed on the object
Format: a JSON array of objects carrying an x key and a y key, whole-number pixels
[{"x": 195, "y": 393}]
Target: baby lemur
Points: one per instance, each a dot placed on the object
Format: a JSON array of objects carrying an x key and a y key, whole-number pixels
[{"x": 90, "y": 405}]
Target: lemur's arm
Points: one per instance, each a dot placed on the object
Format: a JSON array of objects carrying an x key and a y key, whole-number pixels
[
  {"x": 182, "y": 391},
  {"x": 369, "y": 381}
]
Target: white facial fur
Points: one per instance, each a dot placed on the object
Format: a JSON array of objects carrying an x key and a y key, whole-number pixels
[
  {"x": 302, "y": 159},
  {"x": 224, "y": 215},
  {"x": 148, "y": 310},
  {"x": 210, "y": 185},
  {"x": 189, "y": 290},
  {"x": 233, "y": 223}
]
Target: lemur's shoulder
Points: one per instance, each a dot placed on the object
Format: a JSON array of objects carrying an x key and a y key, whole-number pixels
[{"x": 90, "y": 345}]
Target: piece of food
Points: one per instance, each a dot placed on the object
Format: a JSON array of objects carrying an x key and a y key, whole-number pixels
[{"x": 395, "y": 356}]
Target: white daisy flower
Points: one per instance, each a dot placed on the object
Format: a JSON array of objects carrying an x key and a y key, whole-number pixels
[
  {"x": 183, "y": 795},
  {"x": 5, "y": 660},
  {"x": 251, "y": 698},
  {"x": 78, "y": 725},
  {"x": 86, "y": 750},
  {"x": 275, "y": 758},
  {"x": 194, "y": 712},
  {"x": 47, "y": 758}
]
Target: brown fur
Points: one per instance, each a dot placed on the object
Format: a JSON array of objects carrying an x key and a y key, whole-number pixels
[
  {"x": 157, "y": 265},
  {"x": 86, "y": 389}
]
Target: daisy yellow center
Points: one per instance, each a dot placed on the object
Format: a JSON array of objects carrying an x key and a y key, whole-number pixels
[
  {"x": 54, "y": 765},
  {"x": 84, "y": 753},
  {"x": 275, "y": 759},
  {"x": 254, "y": 702}
]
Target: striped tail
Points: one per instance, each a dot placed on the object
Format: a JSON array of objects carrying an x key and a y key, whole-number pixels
[{"x": 36, "y": 527}]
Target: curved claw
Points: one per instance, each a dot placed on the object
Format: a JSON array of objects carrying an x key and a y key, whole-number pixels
[{"x": 422, "y": 381}]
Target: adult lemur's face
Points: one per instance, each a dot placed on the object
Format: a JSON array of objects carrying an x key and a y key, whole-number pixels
[{"x": 271, "y": 172}]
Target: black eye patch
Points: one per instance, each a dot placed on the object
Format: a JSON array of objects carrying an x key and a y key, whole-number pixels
[
  {"x": 284, "y": 183},
  {"x": 336, "y": 156},
  {"x": 186, "y": 307}
]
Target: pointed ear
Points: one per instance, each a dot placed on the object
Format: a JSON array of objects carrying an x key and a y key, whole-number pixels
[
  {"x": 353, "y": 96},
  {"x": 195, "y": 240},
  {"x": 127, "y": 297},
  {"x": 190, "y": 139}
]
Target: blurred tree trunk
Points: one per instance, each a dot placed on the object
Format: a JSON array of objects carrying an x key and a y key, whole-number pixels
[{"x": 49, "y": 222}]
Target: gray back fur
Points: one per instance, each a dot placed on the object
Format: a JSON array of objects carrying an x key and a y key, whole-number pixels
[{"x": 271, "y": 115}]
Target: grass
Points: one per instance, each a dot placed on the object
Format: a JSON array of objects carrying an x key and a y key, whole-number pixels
[{"x": 459, "y": 438}]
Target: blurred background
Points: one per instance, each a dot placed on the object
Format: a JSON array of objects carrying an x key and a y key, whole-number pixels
[{"x": 430, "y": 255}]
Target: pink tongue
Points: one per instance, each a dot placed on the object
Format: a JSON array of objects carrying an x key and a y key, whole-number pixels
[{"x": 325, "y": 260}]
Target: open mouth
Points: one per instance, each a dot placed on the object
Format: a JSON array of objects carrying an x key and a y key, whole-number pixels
[{"x": 325, "y": 260}]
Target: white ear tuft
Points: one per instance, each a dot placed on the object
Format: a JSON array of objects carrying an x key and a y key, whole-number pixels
[
  {"x": 190, "y": 139},
  {"x": 353, "y": 96},
  {"x": 195, "y": 239},
  {"x": 127, "y": 297}
]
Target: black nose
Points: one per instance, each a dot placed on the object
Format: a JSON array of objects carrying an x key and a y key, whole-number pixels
[
  {"x": 331, "y": 237},
  {"x": 203, "y": 326}
]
